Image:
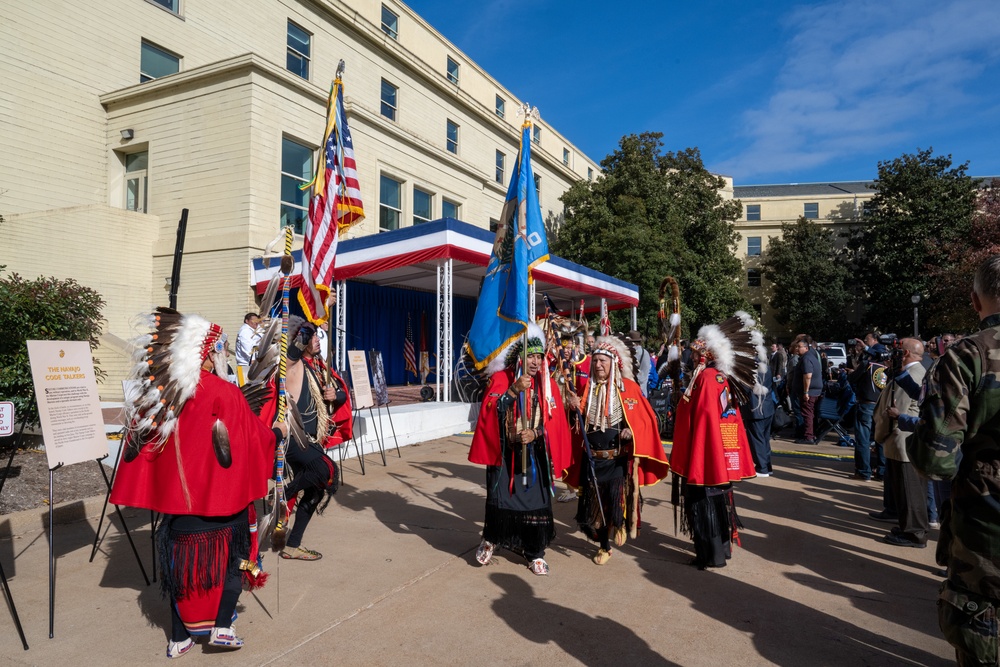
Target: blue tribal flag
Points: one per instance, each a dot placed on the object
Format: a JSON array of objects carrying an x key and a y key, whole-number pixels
[{"x": 520, "y": 245}]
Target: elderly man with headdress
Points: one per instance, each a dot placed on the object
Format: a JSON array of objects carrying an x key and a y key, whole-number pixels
[
  {"x": 617, "y": 452},
  {"x": 711, "y": 450},
  {"x": 523, "y": 440},
  {"x": 314, "y": 474},
  {"x": 195, "y": 452}
]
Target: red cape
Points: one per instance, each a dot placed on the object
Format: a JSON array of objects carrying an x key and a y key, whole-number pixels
[
  {"x": 651, "y": 461},
  {"x": 710, "y": 443},
  {"x": 153, "y": 479},
  {"x": 485, "y": 448}
]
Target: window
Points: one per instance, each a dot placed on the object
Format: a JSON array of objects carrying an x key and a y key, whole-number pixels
[
  {"x": 753, "y": 211},
  {"x": 452, "y": 137},
  {"x": 590, "y": 174},
  {"x": 423, "y": 205},
  {"x": 136, "y": 185},
  {"x": 449, "y": 209},
  {"x": 500, "y": 106},
  {"x": 538, "y": 186},
  {"x": 390, "y": 204},
  {"x": 390, "y": 23},
  {"x": 296, "y": 169},
  {"x": 154, "y": 62},
  {"x": 758, "y": 308},
  {"x": 452, "y": 71},
  {"x": 753, "y": 246},
  {"x": 753, "y": 277},
  {"x": 389, "y": 100},
  {"x": 500, "y": 167},
  {"x": 170, "y": 5},
  {"x": 536, "y": 134},
  {"x": 298, "y": 50},
  {"x": 494, "y": 225},
  {"x": 866, "y": 208},
  {"x": 811, "y": 211},
  {"x": 566, "y": 156}
]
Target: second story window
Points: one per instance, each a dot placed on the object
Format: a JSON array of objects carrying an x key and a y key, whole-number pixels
[
  {"x": 296, "y": 169},
  {"x": 566, "y": 156},
  {"x": 452, "y": 140},
  {"x": 753, "y": 211},
  {"x": 172, "y": 6},
  {"x": 390, "y": 204},
  {"x": 500, "y": 167},
  {"x": 390, "y": 22},
  {"x": 423, "y": 206},
  {"x": 753, "y": 246},
  {"x": 536, "y": 134},
  {"x": 136, "y": 185},
  {"x": 810, "y": 210},
  {"x": 500, "y": 106},
  {"x": 450, "y": 209},
  {"x": 753, "y": 278},
  {"x": 155, "y": 62},
  {"x": 590, "y": 174},
  {"x": 389, "y": 92},
  {"x": 452, "y": 70},
  {"x": 538, "y": 186},
  {"x": 299, "y": 42}
]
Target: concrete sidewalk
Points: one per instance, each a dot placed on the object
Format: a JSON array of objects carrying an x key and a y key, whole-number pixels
[{"x": 398, "y": 583}]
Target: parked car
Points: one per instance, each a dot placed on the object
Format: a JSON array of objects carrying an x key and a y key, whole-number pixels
[{"x": 835, "y": 352}]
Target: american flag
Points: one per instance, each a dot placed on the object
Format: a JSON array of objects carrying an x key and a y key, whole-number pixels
[
  {"x": 335, "y": 206},
  {"x": 409, "y": 354}
]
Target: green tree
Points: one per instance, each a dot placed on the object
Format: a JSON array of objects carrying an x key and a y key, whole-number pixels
[
  {"x": 809, "y": 280},
  {"x": 40, "y": 309},
  {"x": 948, "y": 308},
  {"x": 921, "y": 204},
  {"x": 653, "y": 214}
]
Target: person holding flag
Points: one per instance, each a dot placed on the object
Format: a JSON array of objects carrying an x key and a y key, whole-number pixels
[{"x": 521, "y": 434}]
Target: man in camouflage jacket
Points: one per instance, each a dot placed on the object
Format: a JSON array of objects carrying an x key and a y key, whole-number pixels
[{"x": 958, "y": 438}]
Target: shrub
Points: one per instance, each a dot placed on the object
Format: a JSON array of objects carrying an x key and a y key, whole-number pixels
[{"x": 41, "y": 309}]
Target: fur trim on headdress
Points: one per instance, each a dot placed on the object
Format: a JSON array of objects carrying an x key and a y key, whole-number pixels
[
  {"x": 167, "y": 372},
  {"x": 508, "y": 356},
  {"x": 737, "y": 349},
  {"x": 621, "y": 350}
]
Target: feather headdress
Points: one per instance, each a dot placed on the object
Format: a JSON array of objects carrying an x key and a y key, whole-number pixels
[
  {"x": 737, "y": 349},
  {"x": 509, "y": 356},
  {"x": 166, "y": 372}
]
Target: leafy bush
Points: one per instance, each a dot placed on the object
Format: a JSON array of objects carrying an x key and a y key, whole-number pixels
[{"x": 41, "y": 309}]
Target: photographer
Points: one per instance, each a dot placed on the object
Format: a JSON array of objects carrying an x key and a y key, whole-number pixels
[{"x": 868, "y": 380}]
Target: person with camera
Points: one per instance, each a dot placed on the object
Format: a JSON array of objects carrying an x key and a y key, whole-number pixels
[
  {"x": 868, "y": 380},
  {"x": 958, "y": 438},
  {"x": 907, "y": 489}
]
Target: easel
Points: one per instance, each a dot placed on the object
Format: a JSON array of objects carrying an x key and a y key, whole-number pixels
[
  {"x": 378, "y": 373},
  {"x": 121, "y": 517},
  {"x": 3, "y": 577}
]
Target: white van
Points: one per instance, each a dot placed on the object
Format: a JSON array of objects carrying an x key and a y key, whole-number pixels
[{"x": 835, "y": 352}]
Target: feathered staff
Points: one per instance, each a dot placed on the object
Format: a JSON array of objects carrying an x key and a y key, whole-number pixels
[{"x": 671, "y": 325}]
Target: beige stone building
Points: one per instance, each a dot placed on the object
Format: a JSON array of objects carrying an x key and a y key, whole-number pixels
[
  {"x": 116, "y": 115},
  {"x": 766, "y": 207}
]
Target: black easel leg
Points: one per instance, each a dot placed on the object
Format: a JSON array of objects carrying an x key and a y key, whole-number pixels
[
  {"x": 378, "y": 436},
  {"x": 121, "y": 517},
  {"x": 13, "y": 609},
  {"x": 394, "y": 439},
  {"x": 152, "y": 538},
  {"x": 356, "y": 439},
  {"x": 52, "y": 558}
]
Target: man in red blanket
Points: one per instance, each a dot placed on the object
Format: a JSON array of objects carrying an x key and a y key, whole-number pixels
[
  {"x": 523, "y": 440},
  {"x": 195, "y": 452}
]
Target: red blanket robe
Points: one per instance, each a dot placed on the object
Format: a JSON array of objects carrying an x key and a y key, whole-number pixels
[
  {"x": 485, "y": 448},
  {"x": 650, "y": 459},
  {"x": 710, "y": 443}
]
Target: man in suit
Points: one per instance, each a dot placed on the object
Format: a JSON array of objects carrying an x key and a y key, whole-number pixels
[{"x": 908, "y": 489}]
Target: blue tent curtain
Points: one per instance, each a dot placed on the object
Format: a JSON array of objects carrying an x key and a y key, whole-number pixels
[{"x": 376, "y": 320}]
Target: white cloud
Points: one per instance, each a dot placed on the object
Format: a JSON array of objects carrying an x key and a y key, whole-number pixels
[{"x": 862, "y": 75}]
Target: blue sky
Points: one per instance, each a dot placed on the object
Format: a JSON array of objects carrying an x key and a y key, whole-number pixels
[{"x": 770, "y": 91}]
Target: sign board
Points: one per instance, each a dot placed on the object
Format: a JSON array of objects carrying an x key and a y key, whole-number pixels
[
  {"x": 6, "y": 418},
  {"x": 359, "y": 379},
  {"x": 68, "y": 405},
  {"x": 378, "y": 378}
]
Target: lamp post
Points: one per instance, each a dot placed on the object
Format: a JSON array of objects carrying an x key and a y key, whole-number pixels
[{"x": 916, "y": 302}]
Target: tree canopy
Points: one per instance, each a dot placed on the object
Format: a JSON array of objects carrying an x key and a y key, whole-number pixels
[
  {"x": 809, "y": 280},
  {"x": 921, "y": 204},
  {"x": 653, "y": 214}
]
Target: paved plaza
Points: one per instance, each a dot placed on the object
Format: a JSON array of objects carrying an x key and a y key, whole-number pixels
[{"x": 398, "y": 583}]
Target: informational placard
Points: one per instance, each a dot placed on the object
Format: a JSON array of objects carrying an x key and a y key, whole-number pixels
[
  {"x": 69, "y": 407},
  {"x": 378, "y": 378},
  {"x": 359, "y": 379},
  {"x": 6, "y": 418}
]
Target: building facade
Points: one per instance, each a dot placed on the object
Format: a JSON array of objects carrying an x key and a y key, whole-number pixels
[
  {"x": 766, "y": 207},
  {"x": 116, "y": 116}
]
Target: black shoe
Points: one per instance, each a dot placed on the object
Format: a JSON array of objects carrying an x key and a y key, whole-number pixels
[
  {"x": 805, "y": 441},
  {"x": 900, "y": 541},
  {"x": 861, "y": 477},
  {"x": 884, "y": 516}
]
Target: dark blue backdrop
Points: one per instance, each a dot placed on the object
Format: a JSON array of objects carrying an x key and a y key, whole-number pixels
[{"x": 376, "y": 320}]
